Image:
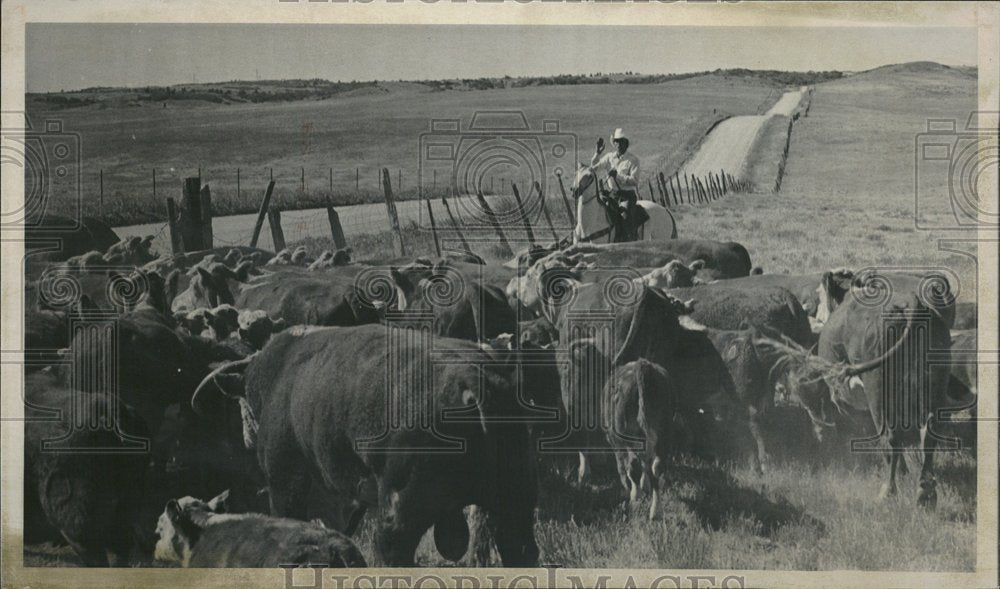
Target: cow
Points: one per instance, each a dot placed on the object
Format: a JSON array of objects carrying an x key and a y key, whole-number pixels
[
  {"x": 75, "y": 237},
  {"x": 340, "y": 296},
  {"x": 255, "y": 327},
  {"x": 92, "y": 499},
  {"x": 133, "y": 251},
  {"x": 200, "y": 534},
  {"x": 750, "y": 374},
  {"x": 966, "y": 341},
  {"x": 156, "y": 364},
  {"x": 883, "y": 362},
  {"x": 328, "y": 259},
  {"x": 318, "y": 397},
  {"x": 771, "y": 309},
  {"x": 230, "y": 256},
  {"x": 645, "y": 325},
  {"x": 966, "y": 316},
  {"x": 810, "y": 289},
  {"x": 564, "y": 272},
  {"x": 539, "y": 333},
  {"x": 640, "y": 401},
  {"x": 462, "y": 305},
  {"x": 673, "y": 274},
  {"x": 720, "y": 259},
  {"x": 209, "y": 285}
]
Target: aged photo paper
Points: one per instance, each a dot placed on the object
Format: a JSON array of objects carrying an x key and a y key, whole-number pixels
[{"x": 476, "y": 293}]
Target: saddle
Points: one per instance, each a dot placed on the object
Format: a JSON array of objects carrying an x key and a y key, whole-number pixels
[{"x": 617, "y": 218}]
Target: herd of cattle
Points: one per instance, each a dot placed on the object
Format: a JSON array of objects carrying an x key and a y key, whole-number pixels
[{"x": 313, "y": 389}]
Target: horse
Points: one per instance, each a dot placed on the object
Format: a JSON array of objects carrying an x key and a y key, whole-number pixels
[{"x": 595, "y": 222}]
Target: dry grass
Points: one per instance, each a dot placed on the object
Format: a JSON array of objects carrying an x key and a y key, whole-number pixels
[
  {"x": 846, "y": 200},
  {"x": 364, "y": 132}
]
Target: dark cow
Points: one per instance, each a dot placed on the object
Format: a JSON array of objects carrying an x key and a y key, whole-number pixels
[
  {"x": 597, "y": 333},
  {"x": 772, "y": 309},
  {"x": 749, "y": 371},
  {"x": 538, "y": 332},
  {"x": 809, "y": 289},
  {"x": 319, "y": 397},
  {"x": 884, "y": 372},
  {"x": 462, "y": 305},
  {"x": 966, "y": 316},
  {"x": 641, "y": 403},
  {"x": 156, "y": 365},
  {"x": 92, "y": 499},
  {"x": 75, "y": 238},
  {"x": 965, "y": 343},
  {"x": 201, "y": 535},
  {"x": 721, "y": 259}
]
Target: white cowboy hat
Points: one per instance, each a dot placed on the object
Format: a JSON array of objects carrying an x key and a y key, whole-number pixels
[{"x": 619, "y": 134}]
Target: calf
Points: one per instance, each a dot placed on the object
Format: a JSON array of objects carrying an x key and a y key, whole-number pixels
[
  {"x": 92, "y": 498},
  {"x": 200, "y": 534},
  {"x": 640, "y": 401}
]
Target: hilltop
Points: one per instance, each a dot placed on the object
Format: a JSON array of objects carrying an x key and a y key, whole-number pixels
[{"x": 262, "y": 91}]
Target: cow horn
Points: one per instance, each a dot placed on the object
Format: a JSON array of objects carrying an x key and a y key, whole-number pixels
[
  {"x": 227, "y": 368},
  {"x": 856, "y": 369}
]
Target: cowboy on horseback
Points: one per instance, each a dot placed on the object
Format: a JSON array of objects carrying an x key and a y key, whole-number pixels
[{"x": 621, "y": 182}]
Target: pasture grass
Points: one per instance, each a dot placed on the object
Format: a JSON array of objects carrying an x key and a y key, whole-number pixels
[
  {"x": 358, "y": 134},
  {"x": 796, "y": 516},
  {"x": 847, "y": 199}
]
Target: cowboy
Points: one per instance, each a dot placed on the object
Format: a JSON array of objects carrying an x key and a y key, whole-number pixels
[{"x": 622, "y": 180}]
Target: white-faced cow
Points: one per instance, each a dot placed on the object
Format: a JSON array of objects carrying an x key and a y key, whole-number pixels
[{"x": 200, "y": 534}]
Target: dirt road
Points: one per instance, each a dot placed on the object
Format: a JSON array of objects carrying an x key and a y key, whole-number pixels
[{"x": 728, "y": 145}]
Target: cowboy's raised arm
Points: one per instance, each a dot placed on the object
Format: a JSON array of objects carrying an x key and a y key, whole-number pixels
[{"x": 598, "y": 160}]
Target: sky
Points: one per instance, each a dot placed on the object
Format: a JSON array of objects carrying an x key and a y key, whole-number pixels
[{"x": 74, "y": 56}]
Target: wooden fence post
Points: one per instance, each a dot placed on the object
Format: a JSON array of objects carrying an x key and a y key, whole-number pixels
[
  {"x": 336, "y": 231},
  {"x": 545, "y": 211},
  {"x": 493, "y": 220},
  {"x": 264, "y": 205},
  {"x": 191, "y": 214},
  {"x": 524, "y": 217},
  {"x": 434, "y": 231},
  {"x": 652, "y": 195},
  {"x": 277, "y": 234},
  {"x": 454, "y": 224},
  {"x": 562, "y": 189},
  {"x": 687, "y": 187},
  {"x": 206, "y": 218},
  {"x": 390, "y": 207},
  {"x": 661, "y": 189},
  {"x": 176, "y": 243}
]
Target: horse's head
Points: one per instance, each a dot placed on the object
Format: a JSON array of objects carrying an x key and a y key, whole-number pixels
[{"x": 584, "y": 178}]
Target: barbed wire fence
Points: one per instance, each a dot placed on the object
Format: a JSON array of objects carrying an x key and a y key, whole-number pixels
[{"x": 302, "y": 199}]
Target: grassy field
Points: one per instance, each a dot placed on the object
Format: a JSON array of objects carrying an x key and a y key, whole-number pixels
[
  {"x": 796, "y": 516},
  {"x": 846, "y": 200},
  {"x": 361, "y": 131}
]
